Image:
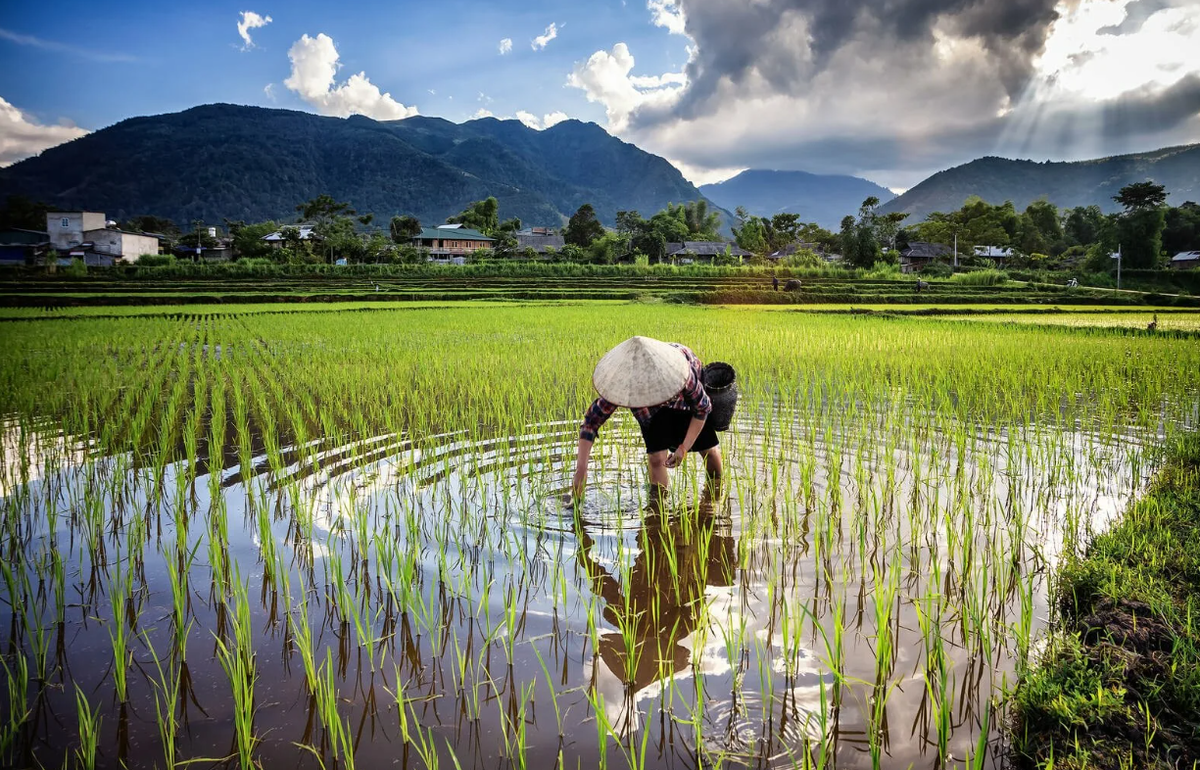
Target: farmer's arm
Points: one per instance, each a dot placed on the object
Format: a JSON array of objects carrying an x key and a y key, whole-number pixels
[
  {"x": 597, "y": 414},
  {"x": 696, "y": 397}
]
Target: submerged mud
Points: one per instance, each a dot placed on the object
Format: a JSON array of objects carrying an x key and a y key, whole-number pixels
[{"x": 860, "y": 589}]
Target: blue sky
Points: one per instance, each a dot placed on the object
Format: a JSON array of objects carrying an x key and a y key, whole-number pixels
[
  {"x": 890, "y": 90},
  {"x": 173, "y": 56}
]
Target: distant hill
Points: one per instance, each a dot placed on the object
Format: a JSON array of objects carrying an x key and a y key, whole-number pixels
[
  {"x": 1081, "y": 183},
  {"x": 819, "y": 198},
  {"x": 225, "y": 161}
]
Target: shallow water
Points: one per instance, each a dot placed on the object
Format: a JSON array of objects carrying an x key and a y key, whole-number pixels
[{"x": 737, "y": 624}]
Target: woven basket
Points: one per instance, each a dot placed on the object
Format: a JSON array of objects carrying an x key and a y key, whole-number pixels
[{"x": 720, "y": 382}]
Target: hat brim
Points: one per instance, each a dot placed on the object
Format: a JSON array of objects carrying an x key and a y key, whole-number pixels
[{"x": 641, "y": 372}]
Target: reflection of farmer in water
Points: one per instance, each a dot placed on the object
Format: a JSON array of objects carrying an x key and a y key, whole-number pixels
[
  {"x": 678, "y": 558},
  {"x": 661, "y": 383}
]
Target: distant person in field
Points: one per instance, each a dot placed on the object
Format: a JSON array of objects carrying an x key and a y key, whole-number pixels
[
  {"x": 775, "y": 281},
  {"x": 660, "y": 383}
]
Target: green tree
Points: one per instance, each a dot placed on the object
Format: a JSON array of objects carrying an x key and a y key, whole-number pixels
[
  {"x": 630, "y": 223},
  {"x": 404, "y": 229},
  {"x": 248, "y": 239},
  {"x": 198, "y": 236},
  {"x": 148, "y": 223},
  {"x": 752, "y": 236},
  {"x": 583, "y": 228},
  {"x": 1140, "y": 227},
  {"x": 23, "y": 213},
  {"x": 323, "y": 208},
  {"x": 1141, "y": 196},
  {"x": 1182, "y": 229},
  {"x": 1039, "y": 229},
  {"x": 858, "y": 241},
  {"x": 670, "y": 224},
  {"x": 483, "y": 216},
  {"x": 887, "y": 227},
  {"x": 1082, "y": 224}
]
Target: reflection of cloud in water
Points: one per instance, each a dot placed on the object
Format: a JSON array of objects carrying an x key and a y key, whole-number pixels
[{"x": 697, "y": 589}]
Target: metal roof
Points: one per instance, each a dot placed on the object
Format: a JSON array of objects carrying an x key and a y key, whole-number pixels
[
  {"x": 705, "y": 249},
  {"x": 922, "y": 250},
  {"x": 459, "y": 234}
]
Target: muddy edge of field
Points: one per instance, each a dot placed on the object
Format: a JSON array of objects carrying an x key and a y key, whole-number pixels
[{"x": 1118, "y": 683}]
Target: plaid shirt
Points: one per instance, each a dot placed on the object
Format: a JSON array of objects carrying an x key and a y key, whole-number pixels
[{"x": 692, "y": 398}]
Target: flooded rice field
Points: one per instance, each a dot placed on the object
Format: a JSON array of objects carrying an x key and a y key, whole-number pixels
[{"x": 320, "y": 589}]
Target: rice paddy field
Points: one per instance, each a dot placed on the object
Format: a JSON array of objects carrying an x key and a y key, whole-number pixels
[{"x": 344, "y": 538}]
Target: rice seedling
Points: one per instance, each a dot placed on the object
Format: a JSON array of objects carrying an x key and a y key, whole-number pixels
[{"x": 897, "y": 494}]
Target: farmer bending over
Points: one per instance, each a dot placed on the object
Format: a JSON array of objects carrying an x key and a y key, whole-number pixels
[{"x": 660, "y": 383}]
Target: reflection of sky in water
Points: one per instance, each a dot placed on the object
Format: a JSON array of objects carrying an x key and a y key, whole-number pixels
[{"x": 486, "y": 524}]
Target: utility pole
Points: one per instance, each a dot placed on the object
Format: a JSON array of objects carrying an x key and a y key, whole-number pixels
[
  {"x": 956, "y": 248},
  {"x": 1118, "y": 267}
]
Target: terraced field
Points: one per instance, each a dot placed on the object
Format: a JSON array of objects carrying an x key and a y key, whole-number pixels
[{"x": 746, "y": 288}]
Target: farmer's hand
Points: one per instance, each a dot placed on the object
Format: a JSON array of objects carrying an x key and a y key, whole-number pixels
[
  {"x": 675, "y": 458},
  {"x": 578, "y": 484}
]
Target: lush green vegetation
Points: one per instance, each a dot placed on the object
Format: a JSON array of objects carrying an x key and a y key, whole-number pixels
[
  {"x": 1067, "y": 185},
  {"x": 186, "y": 283},
  {"x": 260, "y": 532},
  {"x": 269, "y": 159},
  {"x": 1118, "y": 685}
]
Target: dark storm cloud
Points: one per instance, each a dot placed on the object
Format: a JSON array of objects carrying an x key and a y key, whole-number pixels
[
  {"x": 734, "y": 38},
  {"x": 1136, "y": 15},
  {"x": 1055, "y": 131},
  {"x": 1144, "y": 112}
]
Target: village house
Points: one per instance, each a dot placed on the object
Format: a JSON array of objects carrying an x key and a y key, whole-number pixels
[
  {"x": 997, "y": 253},
  {"x": 451, "y": 242},
  {"x": 276, "y": 239},
  {"x": 919, "y": 254},
  {"x": 791, "y": 249},
  {"x": 87, "y": 235},
  {"x": 1185, "y": 260},
  {"x": 540, "y": 240},
  {"x": 702, "y": 251},
  {"x": 20, "y": 247}
]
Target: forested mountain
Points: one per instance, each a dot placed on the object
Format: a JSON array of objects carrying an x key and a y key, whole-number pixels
[
  {"x": 819, "y": 198},
  {"x": 250, "y": 163},
  {"x": 1067, "y": 185}
]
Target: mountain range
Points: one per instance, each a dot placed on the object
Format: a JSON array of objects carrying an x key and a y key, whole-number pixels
[
  {"x": 223, "y": 161},
  {"x": 250, "y": 163},
  {"x": 1067, "y": 184},
  {"x": 820, "y": 198}
]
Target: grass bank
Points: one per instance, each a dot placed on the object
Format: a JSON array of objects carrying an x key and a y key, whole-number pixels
[{"x": 1118, "y": 685}]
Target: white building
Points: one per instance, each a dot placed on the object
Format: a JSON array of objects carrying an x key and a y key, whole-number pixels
[
  {"x": 66, "y": 228},
  {"x": 993, "y": 252},
  {"x": 1186, "y": 260},
  {"x": 86, "y": 234}
]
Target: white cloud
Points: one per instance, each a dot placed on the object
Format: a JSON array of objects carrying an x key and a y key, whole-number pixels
[
  {"x": 314, "y": 66},
  {"x": 542, "y": 40},
  {"x": 483, "y": 112},
  {"x": 269, "y": 90},
  {"x": 21, "y": 136},
  {"x": 82, "y": 52},
  {"x": 605, "y": 79},
  {"x": 668, "y": 14},
  {"x": 250, "y": 20},
  {"x": 505, "y": 46},
  {"x": 529, "y": 119},
  {"x": 804, "y": 83}
]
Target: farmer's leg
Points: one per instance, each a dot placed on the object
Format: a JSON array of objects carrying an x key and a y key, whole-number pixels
[
  {"x": 657, "y": 461},
  {"x": 712, "y": 462}
]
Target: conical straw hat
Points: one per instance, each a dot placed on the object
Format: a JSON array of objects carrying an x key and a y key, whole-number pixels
[{"x": 641, "y": 372}]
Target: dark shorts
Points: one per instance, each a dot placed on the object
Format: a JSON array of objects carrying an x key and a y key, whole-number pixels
[{"x": 667, "y": 429}]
